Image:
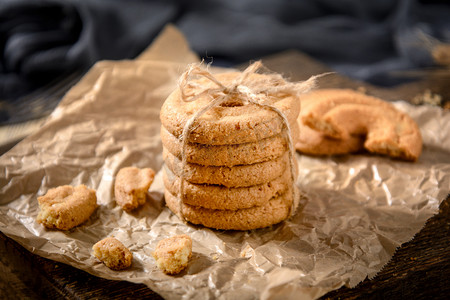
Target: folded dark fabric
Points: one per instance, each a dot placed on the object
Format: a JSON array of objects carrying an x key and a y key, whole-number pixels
[{"x": 41, "y": 40}]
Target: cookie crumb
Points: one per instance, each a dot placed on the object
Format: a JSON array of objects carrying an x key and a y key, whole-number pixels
[
  {"x": 131, "y": 185},
  {"x": 111, "y": 252},
  {"x": 172, "y": 254}
]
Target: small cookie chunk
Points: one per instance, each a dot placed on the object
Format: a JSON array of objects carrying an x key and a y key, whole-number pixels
[
  {"x": 221, "y": 197},
  {"x": 113, "y": 253},
  {"x": 229, "y": 155},
  {"x": 131, "y": 185},
  {"x": 172, "y": 254},
  {"x": 237, "y": 176},
  {"x": 272, "y": 212},
  {"x": 227, "y": 124},
  {"x": 65, "y": 207}
]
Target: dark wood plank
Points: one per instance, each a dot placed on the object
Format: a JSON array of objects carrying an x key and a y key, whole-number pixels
[
  {"x": 25, "y": 275},
  {"x": 420, "y": 269}
]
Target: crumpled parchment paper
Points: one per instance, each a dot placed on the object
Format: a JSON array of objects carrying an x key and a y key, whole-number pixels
[{"x": 357, "y": 209}]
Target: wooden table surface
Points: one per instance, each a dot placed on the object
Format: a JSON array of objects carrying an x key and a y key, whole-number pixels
[{"x": 420, "y": 269}]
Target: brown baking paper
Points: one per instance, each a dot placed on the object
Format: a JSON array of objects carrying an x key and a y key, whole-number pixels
[{"x": 357, "y": 209}]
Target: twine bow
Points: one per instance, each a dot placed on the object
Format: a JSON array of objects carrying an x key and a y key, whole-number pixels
[{"x": 253, "y": 90}]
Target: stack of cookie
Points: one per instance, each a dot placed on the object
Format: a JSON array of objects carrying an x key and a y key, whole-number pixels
[{"x": 237, "y": 172}]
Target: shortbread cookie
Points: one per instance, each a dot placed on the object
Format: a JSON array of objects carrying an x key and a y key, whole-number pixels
[
  {"x": 232, "y": 123},
  {"x": 317, "y": 103},
  {"x": 131, "y": 185},
  {"x": 113, "y": 253},
  {"x": 221, "y": 197},
  {"x": 314, "y": 142},
  {"x": 229, "y": 155},
  {"x": 65, "y": 207},
  {"x": 385, "y": 129},
  {"x": 172, "y": 254},
  {"x": 272, "y": 212},
  {"x": 237, "y": 176}
]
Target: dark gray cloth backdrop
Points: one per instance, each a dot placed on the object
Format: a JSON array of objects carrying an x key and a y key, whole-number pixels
[{"x": 41, "y": 40}]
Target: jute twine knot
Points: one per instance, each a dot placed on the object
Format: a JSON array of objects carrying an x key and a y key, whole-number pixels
[{"x": 243, "y": 88}]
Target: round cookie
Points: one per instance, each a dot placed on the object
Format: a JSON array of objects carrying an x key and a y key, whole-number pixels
[
  {"x": 347, "y": 114},
  {"x": 237, "y": 176},
  {"x": 272, "y": 212},
  {"x": 229, "y": 155},
  {"x": 232, "y": 123},
  {"x": 386, "y": 132},
  {"x": 65, "y": 207},
  {"x": 221, "y": 197}
]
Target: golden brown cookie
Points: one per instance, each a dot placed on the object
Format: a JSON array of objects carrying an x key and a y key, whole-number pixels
[
  {"x": 233, "y": 123},
  {"x": 172, "y": 254},
  {"x": 386, "y": 132},
  {"x": 317, "y": 103},
  {"x": 221, "y": 197},
  {"x": 272, "y": 212},
  {"x": 113, "y": 253},
  {"x": 65, "y": 207},
  {"x": 237, "y": 176},
  {"x": 131, "y": 185},
  {"x": 346, "y": 115},
  {"x": 313, "y": 142},
  {"x": 229, "y": 155}
]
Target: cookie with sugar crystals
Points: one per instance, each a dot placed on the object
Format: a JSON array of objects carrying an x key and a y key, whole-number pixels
[
  {"x": 172, "y": 254},
  {"x": 65, "y": 207},
  {"x": 347, "y": 114},
  {"x": 113, "y": 253},
  {"x": 229, "y": 155},
  {"x": 131, "y": 185},
  {"x": 272, "y": 212},
  {"x": 232, "y": 122},
  {"x": 221, "y": 197},
  {"x": 237, "y": 176}
]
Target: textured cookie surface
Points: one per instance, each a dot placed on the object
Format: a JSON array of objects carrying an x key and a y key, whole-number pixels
[
  {"x": 221, "y": 197},
  {"x": 317, "y": 103},
  {"x": 387, "y": 132},
  {"x": 131, "y": 185},
  {"x": 272, "y": 212},
  {"x": 237, "y": 176},
  {"x": 314, "y": 142},
  {"x": 229, "y": 155},
  {"x": 113, "y": 253},
  {"x": 347, "y": 116},
  {"x": 172, "y": 254},
  {"x": 228, "y": 124},
  {"x": 65, "y": 207}
]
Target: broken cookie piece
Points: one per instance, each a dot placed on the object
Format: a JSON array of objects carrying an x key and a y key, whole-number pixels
[
  {"x": 131, "y": 185},
  {"x": 65, "y": 207},
  {"x": 172, "y": 254},
  {"x": 113, "y": 253}
]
